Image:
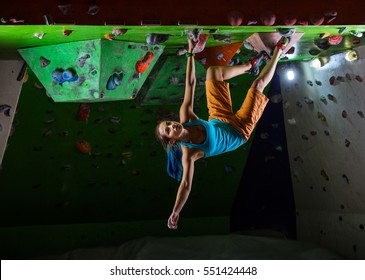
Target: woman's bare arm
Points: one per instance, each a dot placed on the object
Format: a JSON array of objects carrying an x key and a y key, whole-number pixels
[
  {"x": 186, "y": 109},
  {"x": 188, "y": 160}
]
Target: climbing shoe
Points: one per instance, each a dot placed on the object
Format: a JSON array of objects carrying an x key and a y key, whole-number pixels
[
  {"x": 283, "y": 42},
  {"x": 286, "y": 32},
  {"x": 256, "y": 62}
]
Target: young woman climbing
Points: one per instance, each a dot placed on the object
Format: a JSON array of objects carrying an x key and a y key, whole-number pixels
[{"x": 192, "y": 138}]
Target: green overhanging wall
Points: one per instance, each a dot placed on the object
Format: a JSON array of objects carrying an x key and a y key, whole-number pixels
[{"x": 93, "y": 70}]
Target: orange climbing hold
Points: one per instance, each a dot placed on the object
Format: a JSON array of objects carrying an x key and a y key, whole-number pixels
[
  {"x": 67, "y": 32},
  {"x": 143, "y": 64},
  {"x": 110, "y": 37},
  {"x": 218, "y": 55},
  {"x": 83, "y": 146}
]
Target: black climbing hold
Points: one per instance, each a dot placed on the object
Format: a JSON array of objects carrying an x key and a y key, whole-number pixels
[
  {"x": 314, "y": 51},
  {"x": 347, "y": 143},
  {"x": 319, "y": 83}
]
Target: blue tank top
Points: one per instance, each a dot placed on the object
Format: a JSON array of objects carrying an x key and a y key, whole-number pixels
[{"x": 220, "y": 138}]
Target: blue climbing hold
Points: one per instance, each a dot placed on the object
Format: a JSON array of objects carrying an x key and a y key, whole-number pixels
[
  {"x": 114, "y": 81},
  {"x": 69, "y": 75},
  {"x": 57, "y": 76}
]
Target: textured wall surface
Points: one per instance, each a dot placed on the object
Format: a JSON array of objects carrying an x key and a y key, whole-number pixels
[
  {"x": 9, "y": 94},
  {"x": 54, "y": 198},
  {"x": 97, "y": 70},
  {"x": 324, "y": 111}
]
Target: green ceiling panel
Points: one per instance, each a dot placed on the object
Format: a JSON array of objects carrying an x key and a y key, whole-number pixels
[
  {"x": 166, "y": 83},
  {"x": 91, "y": 71}
]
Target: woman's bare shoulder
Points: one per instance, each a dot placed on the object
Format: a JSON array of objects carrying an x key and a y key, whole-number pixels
[{"x": 192, "y": 153}]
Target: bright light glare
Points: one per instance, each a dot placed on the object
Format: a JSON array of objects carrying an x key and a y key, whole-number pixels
[{"x": 290, "y": 75}]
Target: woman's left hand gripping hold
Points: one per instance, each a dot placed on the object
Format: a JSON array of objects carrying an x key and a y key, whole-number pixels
[{"x": 192, "y": 44}]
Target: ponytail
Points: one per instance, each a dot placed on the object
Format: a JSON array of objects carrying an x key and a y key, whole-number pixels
[{"x": 174, "y": 164}]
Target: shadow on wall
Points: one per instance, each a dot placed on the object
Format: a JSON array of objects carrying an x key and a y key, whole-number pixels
[{"x": 265, "y": 199}]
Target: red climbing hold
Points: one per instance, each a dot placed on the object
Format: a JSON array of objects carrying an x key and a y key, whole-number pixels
[
  {"x": 335, "y": 40},
  {"x": 84, "y": 112},
  {"x": 316, "y": 19},
  {"x": 268, "y": 18},
  {"x": 202, "y": 39},
  {"x": 290, "y": 20},
  {"x": 235, "y": 18},
  {"x": 143, "y": 64}
]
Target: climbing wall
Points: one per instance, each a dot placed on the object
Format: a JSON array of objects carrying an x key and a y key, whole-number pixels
[
  {"x": 219, "y": 55},
  {"x": 9, "y": 94},
  {"x": 166, "y": 83},
  {"x": 267, "y": 41},
  {"x": 324, "y": 112},
  {"x": 71, "y": 196},
  {"x": 93, "y": 70}
]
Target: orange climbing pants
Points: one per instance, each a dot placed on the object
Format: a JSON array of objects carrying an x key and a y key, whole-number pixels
[{"x": 220, "y": 107}]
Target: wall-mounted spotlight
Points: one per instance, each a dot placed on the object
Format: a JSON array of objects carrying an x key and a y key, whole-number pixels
[
  {"x": 287, "y": 71},
  {"x": 290, "y": 74}
]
